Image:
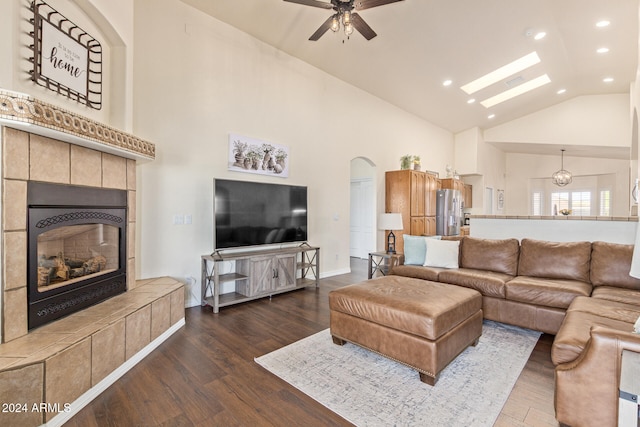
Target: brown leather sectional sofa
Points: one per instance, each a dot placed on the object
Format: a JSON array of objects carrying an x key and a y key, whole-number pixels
[{"x": 581, "y": 292}]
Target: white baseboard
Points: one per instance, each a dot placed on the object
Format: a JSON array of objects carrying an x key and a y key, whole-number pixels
[
  {"x": 95, "y": 391},
  {"x": 335, "y": 273}
]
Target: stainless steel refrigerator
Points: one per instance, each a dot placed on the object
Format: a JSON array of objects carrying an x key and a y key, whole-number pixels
[{"x": 448, "y": 212}]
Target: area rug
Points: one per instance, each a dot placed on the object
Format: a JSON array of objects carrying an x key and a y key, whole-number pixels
[{"x": 370, "y": 390}]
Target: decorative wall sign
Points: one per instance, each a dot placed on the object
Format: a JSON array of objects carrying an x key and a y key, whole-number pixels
[
  {"x": 500, "y": 200},
  {"x": 256, "y": 156},
  {"x": 65, "y": 58}
]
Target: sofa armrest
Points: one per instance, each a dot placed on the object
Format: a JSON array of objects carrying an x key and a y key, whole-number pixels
[{"x": 587, "y": 388}]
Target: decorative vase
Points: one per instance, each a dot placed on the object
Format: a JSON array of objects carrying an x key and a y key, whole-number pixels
[{"x": 239, "y": 160}]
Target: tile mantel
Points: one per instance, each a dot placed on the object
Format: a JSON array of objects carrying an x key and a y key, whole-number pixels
[{"x": 26, "y": 113}]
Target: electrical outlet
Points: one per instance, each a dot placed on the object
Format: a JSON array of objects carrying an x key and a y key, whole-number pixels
[
  {"x": 188, "y": 219},
  {"x": 178, "y": 219}
]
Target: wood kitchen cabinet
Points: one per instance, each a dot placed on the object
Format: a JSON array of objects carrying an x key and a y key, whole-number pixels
[
  {"x": 413, "y": 195},
  {"x": 466, "y": 190}
]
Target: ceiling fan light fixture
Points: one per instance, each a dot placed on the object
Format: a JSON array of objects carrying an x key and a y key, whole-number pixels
[
  {"x": 562, "y": 177},
  {"x": 346, "y": 18},
  {"x": 335, "y": 23},
  {"x": 348, "y": 29}
]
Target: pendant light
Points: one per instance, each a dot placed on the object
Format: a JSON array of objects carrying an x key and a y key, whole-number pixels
[{"x": 562, "y": 177}]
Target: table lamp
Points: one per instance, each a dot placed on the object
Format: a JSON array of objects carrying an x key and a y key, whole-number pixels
[{"x": 390, "y": 222}]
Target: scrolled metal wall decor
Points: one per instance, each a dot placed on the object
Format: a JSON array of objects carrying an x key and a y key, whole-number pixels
[{"x": 66, "y": 59}]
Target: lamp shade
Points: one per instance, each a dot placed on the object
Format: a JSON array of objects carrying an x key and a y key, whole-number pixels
[{"x": 390, "y": 221}]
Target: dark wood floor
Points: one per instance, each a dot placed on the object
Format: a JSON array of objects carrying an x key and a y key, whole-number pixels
[{"x": 205, "y": 373}]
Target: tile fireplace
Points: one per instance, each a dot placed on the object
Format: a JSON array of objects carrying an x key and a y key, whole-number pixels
[
  {"x": 76, "y": 246},
  {"x": 68, "y": 232}
]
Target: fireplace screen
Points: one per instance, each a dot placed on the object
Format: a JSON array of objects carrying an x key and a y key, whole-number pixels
[
  {"x": 72, "y": 253},
  {"x": 76, "y": 248}
]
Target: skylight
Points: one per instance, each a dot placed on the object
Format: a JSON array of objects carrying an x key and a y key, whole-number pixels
[
  {"x": 516, "y": 91},
  {"x": 501, "y": 73}
]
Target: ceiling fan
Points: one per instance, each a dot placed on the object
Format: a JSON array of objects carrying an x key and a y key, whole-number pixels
[{"x": 345, "y": 15}]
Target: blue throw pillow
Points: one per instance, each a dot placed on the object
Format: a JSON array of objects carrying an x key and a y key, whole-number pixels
[{"x": 415, "y": 249}]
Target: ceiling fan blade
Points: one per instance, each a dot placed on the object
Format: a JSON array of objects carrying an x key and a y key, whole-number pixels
[
  {"x": 368, "y": 4},
  {"x": 362, "y": 27},
  {"x": 323, "y": 29},
  {"x": 314, "y": 3}
]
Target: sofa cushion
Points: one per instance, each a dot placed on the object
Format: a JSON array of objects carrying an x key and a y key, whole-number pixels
[
  {"x": 417, "y": 272},
  {"x": 605, "y": 308},
  {"x": 575, "y": 332},
  {"x": 555, "y": 260},
  {"x": 610, "y": 265},
  {"x": 490, "y": 254},
  {"x": 415, "y": 249},
  {"x": 611, "y": 293},
  {"x": 488, "y": 283},
  {"x": 546, "y": 292},
  {"x": 442, "y": 253}
]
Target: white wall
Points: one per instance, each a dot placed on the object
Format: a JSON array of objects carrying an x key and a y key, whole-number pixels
[
  {"x": 108, "y": 21},
  {"x": 197, "y": 79},
  {"x": 555, "y": 230},
  {"x": 601, "y": 120},
  {"x": 481, "y": 164},
  {"x": 522, "y": 167}
]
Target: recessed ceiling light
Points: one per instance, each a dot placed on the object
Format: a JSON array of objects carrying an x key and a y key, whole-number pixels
[
  {"x": 501, "y": 73},
  {"x": 516, "y": 91},
  {"x": 608, "y": 79},
  {"x": 602, "y": 24},
  {"x": 471, "y": 101},
  {"x": 447, "y": 83},
  {"x": 540, "y": 35},
  {"x": 603, "y": 50},
  {"x": 491, "y": 116},
  {"x": 561, "y": 91}
]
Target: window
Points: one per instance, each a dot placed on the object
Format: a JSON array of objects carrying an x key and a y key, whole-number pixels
[
  {"x": 559, "y": 201},
  {"x": 579, "y": 202},
  {"x": 536, "y": 203},
  {"x": 605, "y": 203}
]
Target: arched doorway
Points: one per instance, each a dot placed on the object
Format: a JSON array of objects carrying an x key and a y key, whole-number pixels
[{"x": 362, "y": 233}]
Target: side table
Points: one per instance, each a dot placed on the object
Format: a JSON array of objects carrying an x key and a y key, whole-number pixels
[{"x": 383, "y": 262}]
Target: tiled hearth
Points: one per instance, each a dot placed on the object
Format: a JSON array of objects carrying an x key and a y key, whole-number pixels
[{"x": 68, "y": 361}]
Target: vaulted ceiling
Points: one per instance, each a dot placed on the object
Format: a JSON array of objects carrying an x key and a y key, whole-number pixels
[{"x": 422, "y": 43}]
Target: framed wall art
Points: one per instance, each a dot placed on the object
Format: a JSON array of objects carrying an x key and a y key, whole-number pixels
[
  {"x": 255, "y": 156},
  {"x": 65, "y": 59}
]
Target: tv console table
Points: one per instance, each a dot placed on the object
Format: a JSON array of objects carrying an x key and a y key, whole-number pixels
[{"x": 258, "y": 274}]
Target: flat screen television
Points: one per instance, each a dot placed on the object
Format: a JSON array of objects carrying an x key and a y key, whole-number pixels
[{"x": 254, "y": 213}]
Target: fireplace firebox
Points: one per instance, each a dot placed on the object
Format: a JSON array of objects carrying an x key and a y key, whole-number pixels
[{"x": 76, "y": 248}]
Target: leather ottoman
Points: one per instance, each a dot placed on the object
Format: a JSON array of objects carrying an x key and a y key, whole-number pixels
[{"x": 419, "y": 323}]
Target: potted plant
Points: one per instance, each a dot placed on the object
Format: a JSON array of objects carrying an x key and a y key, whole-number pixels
[
  {"x": 239, "y": 148},
  {"x": 255, "y": 155},
  {"x": 405, "y": 161},
  {"x": 416, "y": 163},
  {"x": 281, "y": 156}
]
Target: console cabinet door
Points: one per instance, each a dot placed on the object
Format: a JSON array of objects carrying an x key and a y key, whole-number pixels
[
  {"x": 285, "y": 271},
  {"x": 260, "y": 273}
]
